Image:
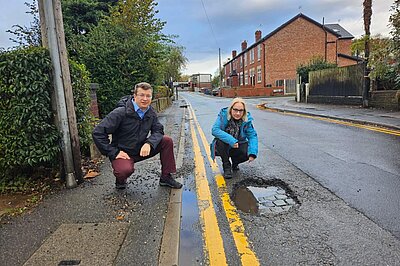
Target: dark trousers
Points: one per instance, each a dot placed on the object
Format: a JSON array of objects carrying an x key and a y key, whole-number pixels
[
  {"x": 123, "y": 168},
  {"x": 237, "y": 155}
]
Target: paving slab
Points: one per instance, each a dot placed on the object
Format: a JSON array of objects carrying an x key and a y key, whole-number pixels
[{"x": 81, "y": 244}]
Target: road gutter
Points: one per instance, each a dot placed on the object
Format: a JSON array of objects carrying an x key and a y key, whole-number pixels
[{"x": 169, "y": 250}]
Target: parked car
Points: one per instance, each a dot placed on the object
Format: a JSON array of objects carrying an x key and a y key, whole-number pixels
[
  {"x": 206, "y": 91},
  {"x": 216, "y": 91}
]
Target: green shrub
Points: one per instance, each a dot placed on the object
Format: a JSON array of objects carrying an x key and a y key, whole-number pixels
[
  {"x": 161, "y": 91},
  {"x": 81, "y": 90},
  {"x": 314, "y": 64},
  {"x": 28, "y": 136}
]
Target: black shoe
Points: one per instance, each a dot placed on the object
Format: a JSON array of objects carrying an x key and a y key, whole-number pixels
[
  {"x": 228, "y": 173},
  {"x": 120, "y": 185},
  {"x": 170, "y": 182},
  {"x": 235, "y": 167}
]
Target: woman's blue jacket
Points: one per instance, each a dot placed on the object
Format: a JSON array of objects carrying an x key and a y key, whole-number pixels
[{"x": 247, "y": 133}]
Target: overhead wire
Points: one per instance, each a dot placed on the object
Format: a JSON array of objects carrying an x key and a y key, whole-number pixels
[{"x": 209, "y": 23}]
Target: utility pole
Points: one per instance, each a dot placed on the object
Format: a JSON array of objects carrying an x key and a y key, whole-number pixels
[
  {"x": 69, "y": 97},
  {"x": 220, "y": 73},
  {"x": 53, "y": 32}
]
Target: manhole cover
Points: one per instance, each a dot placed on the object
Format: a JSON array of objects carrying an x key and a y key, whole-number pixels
[{"x": 263, "y": 197}]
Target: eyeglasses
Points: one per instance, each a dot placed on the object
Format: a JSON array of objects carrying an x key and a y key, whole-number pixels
[
  {"x": 237, "y": 110},
  {"x": 147, "y": 96}
]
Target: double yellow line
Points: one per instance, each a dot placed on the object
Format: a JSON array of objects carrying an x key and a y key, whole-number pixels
[{"x": 212, "y": 236}]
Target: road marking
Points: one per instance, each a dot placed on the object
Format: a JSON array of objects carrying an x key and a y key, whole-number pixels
[
  {"x": 247, "y": 255},
  {"x": 341, "y": 122},
  {"x": 212, "y": 235}
]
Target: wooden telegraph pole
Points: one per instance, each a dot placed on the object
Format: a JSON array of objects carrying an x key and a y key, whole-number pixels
[{"x": 52, "y": 30}]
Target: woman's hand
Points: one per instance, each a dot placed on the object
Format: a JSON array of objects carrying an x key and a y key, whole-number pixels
[
  {"x": 251, "y": 158},
  {"x": 236, "y": 145}
]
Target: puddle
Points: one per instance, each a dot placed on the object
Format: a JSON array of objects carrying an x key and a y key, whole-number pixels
[
  {"x": 191, "y": 239},
  {"x": 263, "y": 197}
]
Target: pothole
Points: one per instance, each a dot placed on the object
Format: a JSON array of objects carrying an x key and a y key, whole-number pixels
[{"x": 263, "y": 196}]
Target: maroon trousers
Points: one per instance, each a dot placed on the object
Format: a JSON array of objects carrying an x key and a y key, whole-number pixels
[{"x": 123, "y": 168}]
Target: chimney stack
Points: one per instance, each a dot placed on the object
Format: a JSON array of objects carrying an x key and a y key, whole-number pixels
[
  {"x": 258, "y": 35},
  {"x": 244, "y": 45},
  {"x": 233, "y": 54}
]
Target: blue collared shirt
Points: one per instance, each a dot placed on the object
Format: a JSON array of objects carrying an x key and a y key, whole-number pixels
[{"x": 139, "y": 111}]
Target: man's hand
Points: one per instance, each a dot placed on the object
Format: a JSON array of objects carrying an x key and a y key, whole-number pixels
[
  {"x": 251, "y": 158},
  {"x": 122, "y": 155},
  {"x": 236, "y": 145},
  {"x": 145, "y": 150}
]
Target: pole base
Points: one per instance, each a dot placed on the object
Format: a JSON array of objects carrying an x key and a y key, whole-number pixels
[{"x": 70, "y": 181}]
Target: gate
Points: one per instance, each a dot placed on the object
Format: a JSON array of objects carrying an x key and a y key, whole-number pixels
[{"x": 290, "y": 87}]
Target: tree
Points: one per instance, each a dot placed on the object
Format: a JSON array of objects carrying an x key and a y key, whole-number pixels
[
  {"x": 394, "y": 20},
  {"x": 184, "y": 78},
  {"x": 367, "y": 23},
  {"x": 173, "y": 62},
  {"x": 380, "y": 57},
  {"x": 28, "y": 36},
  {"x": 125, "y": 48},
  {"x": 215, "y": 80},
  {"x": 138, "y": 16},
  {"x": 83, "y": 15}
]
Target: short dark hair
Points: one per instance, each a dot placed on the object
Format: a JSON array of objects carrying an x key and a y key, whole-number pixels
[{"x": 143, "y": 85}]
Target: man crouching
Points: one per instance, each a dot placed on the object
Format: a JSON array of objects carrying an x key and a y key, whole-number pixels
[{"x": 130, "y": 126}]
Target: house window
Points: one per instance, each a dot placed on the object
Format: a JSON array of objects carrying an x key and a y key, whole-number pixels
[
  {"x": 245, "y": 59},
  {"x": 252, "y": 76},
  {"x": 278, "y": 83},
  {"x": 246, "y": 78},
  {"x": 259, "y": 52},
  {"x": 251, "y": 56},
  {"x": 259, "y": 74},
  {"x": 240, "y": 62},
  {"x": 241, "y": 78}
]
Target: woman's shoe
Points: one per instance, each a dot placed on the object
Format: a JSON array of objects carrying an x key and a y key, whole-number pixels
[
  {"x": 228, "y": 173},
  {"x": 235, "y": 167}
]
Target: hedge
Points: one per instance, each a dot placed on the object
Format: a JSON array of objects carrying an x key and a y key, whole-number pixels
[{"x": 28, "y": 135}]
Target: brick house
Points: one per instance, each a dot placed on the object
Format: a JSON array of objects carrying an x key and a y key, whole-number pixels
[
  {"x": 272, "y": 60},
  {"x": 198, "y": 81}
]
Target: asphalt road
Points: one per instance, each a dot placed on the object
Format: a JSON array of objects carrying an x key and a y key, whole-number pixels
[{"x": 344, "y": 178}]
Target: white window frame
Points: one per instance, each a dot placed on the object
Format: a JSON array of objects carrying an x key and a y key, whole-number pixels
[
  {"x": 259, "y": 75},
  {"x": 246, "y": 78},
  {"x": 259, "y": 52},
  {"x": 252, "y": 56}
]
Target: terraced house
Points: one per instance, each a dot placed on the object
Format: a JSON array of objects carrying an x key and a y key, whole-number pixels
[{"x": 271, "y": 61}]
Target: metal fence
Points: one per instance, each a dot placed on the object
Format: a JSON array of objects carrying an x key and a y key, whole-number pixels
[{"x": 341, "y": 81}]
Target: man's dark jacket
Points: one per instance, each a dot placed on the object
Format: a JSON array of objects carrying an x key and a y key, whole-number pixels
[{"x": 129, "y": 132}]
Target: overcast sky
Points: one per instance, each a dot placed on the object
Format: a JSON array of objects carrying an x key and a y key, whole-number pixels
[{"x": 203, "y": 26}]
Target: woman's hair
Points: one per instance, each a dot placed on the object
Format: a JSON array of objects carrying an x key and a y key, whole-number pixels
[{"x": 235, "y": 101}]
